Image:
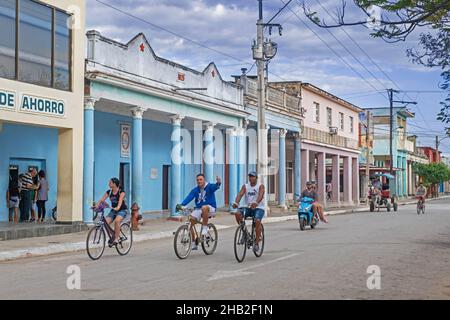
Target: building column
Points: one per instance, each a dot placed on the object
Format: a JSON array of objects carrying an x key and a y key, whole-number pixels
[
  {"x": 336, "y": 177},
  {"x": 305, "y": 169},
  {"x": 282, "y": 169},
  {"x": 208, "y": 154},
  {"x": 175, "y": 168},
  {"x": 232, "y": 166},
  {"x": 355, "y": 180},
  {"x": 88, "y": 162},
  {"x": 297, "y": 165},
  {"x": 136, "y": 156},
  {"x": 321, "y": 177},
  {"x": 312, "y": 166},
  {"x": 405, "y": 177},
  {"x": 242, "y": 156},
  {"x": 347, "y": 180}
]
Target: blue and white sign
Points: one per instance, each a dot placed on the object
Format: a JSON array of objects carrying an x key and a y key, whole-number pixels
[
  {"x": 42, "y": 106},
  {"x": 7, "y": 100}
]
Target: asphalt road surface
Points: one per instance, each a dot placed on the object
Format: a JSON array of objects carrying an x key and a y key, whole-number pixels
[{"x": 411, "y": 252}]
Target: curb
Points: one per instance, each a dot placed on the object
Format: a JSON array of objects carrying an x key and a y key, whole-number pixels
[{"x": 80, "y": 246}]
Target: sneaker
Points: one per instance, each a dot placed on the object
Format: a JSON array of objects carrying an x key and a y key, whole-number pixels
[
  {"x": 194, "y": 246},
  {"x": 204, "y": 231},
  {"x": 256, "y": 247}
]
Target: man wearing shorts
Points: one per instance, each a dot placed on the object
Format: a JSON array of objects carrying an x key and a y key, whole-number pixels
[
  {"x": 253, "y": 193},
  {"x": 205, "y": 203}
]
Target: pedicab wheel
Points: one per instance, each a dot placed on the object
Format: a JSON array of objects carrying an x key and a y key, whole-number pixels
[
  {"x": 240, "y": 244},
  {"x": 96, "y": 242},
  {"x": 395, "y": 206},
  {"x": 302, "y": 223},
  {"x": 261, "y": 243},
  {"x": 209, "y": 243},
  {"x": 125, "y": 239},
  {"x": 388, "y": 207},
  {"x": 372, "y": 207},
  {"x": 182, "y": 242},
  {"x": 423, "y": 209}
]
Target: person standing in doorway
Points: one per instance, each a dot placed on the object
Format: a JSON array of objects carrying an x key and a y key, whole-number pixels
[
  {"x": 42, "y": 196},
  {"x": 25, "y": 185},
  {"x": 12, "y": 201},
  {"x": 33, "y": 193}
]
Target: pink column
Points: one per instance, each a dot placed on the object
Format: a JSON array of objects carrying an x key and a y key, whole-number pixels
[
  {"x": 336, "y": 177},
  {"x": 347, "y": 180},
  {"x": 305, "y": 168},
  {"x": 355, "y": 180},
  {"x": 321, "y": 177}
]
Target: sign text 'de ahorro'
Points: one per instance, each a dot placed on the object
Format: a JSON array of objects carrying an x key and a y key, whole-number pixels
[{"x": 32, "y": 104}]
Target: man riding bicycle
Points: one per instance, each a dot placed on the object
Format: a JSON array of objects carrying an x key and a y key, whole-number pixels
[
  {"x": 421, "y": 192},
  {"x": 118, "y": 206},
  {"x": 205, "y": 203},
  {"x": 254, "y": 200}
]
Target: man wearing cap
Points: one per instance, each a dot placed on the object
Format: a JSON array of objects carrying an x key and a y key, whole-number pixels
[{"x": 254, "y": 200}]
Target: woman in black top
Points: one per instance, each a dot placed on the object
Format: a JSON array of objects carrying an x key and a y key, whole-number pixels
[
  {"x": 12, "y": 201},
  {"x": 118, "y": 206}
]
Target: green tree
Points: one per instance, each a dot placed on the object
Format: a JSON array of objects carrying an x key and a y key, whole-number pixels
[
  {"x": 433, "y": 173},
  {"x": 395, "y": 20}
]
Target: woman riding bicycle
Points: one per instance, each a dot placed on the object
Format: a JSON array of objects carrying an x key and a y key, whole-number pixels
[{"x": 118, "y": 206}]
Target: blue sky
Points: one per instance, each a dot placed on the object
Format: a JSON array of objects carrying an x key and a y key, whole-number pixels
[{"x": 229, "y": 27}]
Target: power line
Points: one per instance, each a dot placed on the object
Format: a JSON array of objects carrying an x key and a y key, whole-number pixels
[
  {"x": 360, "y": 48},
  {"x": 334, "y": 52},
  {"x": 180, "y": 36}
]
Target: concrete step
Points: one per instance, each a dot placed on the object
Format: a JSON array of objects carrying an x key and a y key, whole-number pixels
[{"x": 30, "y": 230}]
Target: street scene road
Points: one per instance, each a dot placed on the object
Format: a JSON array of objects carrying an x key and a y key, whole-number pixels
[{"x": 411, "y": 251}]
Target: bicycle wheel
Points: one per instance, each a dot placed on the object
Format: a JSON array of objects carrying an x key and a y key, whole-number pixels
[
  {"x": 182, "y": 242},
  {"x": 125, "y": 239},
  {"x": 209, "y": 243},
  {"x": 95, "y": 242},
  {"x": 423, "y": 209},
  {"x": 261, "y": 243},
  {"x": 240, "y": 244},
  {"x": 419, "y": 209}
]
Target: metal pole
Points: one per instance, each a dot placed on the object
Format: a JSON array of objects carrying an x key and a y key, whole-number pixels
[
  {"x": 391, "y": 155},
  {"x": 367, "y": 154},
  {"x": 262, "y": 130}
]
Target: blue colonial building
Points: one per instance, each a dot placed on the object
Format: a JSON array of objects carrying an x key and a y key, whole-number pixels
[{"x": 155, "y": 124}]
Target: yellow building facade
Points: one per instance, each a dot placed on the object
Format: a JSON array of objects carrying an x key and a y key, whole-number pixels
[{"x": 42, "y": 51}]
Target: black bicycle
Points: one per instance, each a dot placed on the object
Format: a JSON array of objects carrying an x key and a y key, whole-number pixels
[
  {"x": 96, "y": 238},
  {"x": 244, "y": 239}
]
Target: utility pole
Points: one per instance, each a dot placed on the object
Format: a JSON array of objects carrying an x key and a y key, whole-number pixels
[
  {"x": 263, "y": 51},
  {"x": 367, "y": 153},
  {"x": 391, "y": 130},
  {"x": 391, "y": 127},
  {"x": 262, "y": 130},
  {"x": 437, "y": 149}
]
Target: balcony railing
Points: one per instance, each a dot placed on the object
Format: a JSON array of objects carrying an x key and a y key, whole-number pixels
[
  {"x": 326, "y": 138},
  {"x": 276, "y": 99}
]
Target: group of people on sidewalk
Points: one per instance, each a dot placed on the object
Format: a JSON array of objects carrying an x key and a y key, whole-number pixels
[{"x": 26, "y": 197}]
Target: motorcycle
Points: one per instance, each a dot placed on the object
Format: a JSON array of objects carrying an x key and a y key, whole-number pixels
[{"x": 306, "y": 216}]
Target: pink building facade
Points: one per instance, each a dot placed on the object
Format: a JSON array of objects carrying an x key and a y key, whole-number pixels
[{"x": 330, "y": 147}]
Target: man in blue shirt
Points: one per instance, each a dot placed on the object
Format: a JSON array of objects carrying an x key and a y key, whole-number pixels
[{"x": 205, "y": 201}]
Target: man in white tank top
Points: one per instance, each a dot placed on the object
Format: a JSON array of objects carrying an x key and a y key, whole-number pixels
[{"x": 253, "y": 193}]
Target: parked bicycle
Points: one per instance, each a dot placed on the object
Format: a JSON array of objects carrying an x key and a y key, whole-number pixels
[
  {"x": 183, "y": 239},
  {"x": 96, "y": 238},
  {"x": 245, "y": 239}
]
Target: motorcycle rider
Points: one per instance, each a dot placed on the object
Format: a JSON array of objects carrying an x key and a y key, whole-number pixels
[{"x": 310, "y": 192}]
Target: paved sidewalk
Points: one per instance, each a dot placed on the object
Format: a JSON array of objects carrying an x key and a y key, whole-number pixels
[{"x": 151, "y": 230}]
